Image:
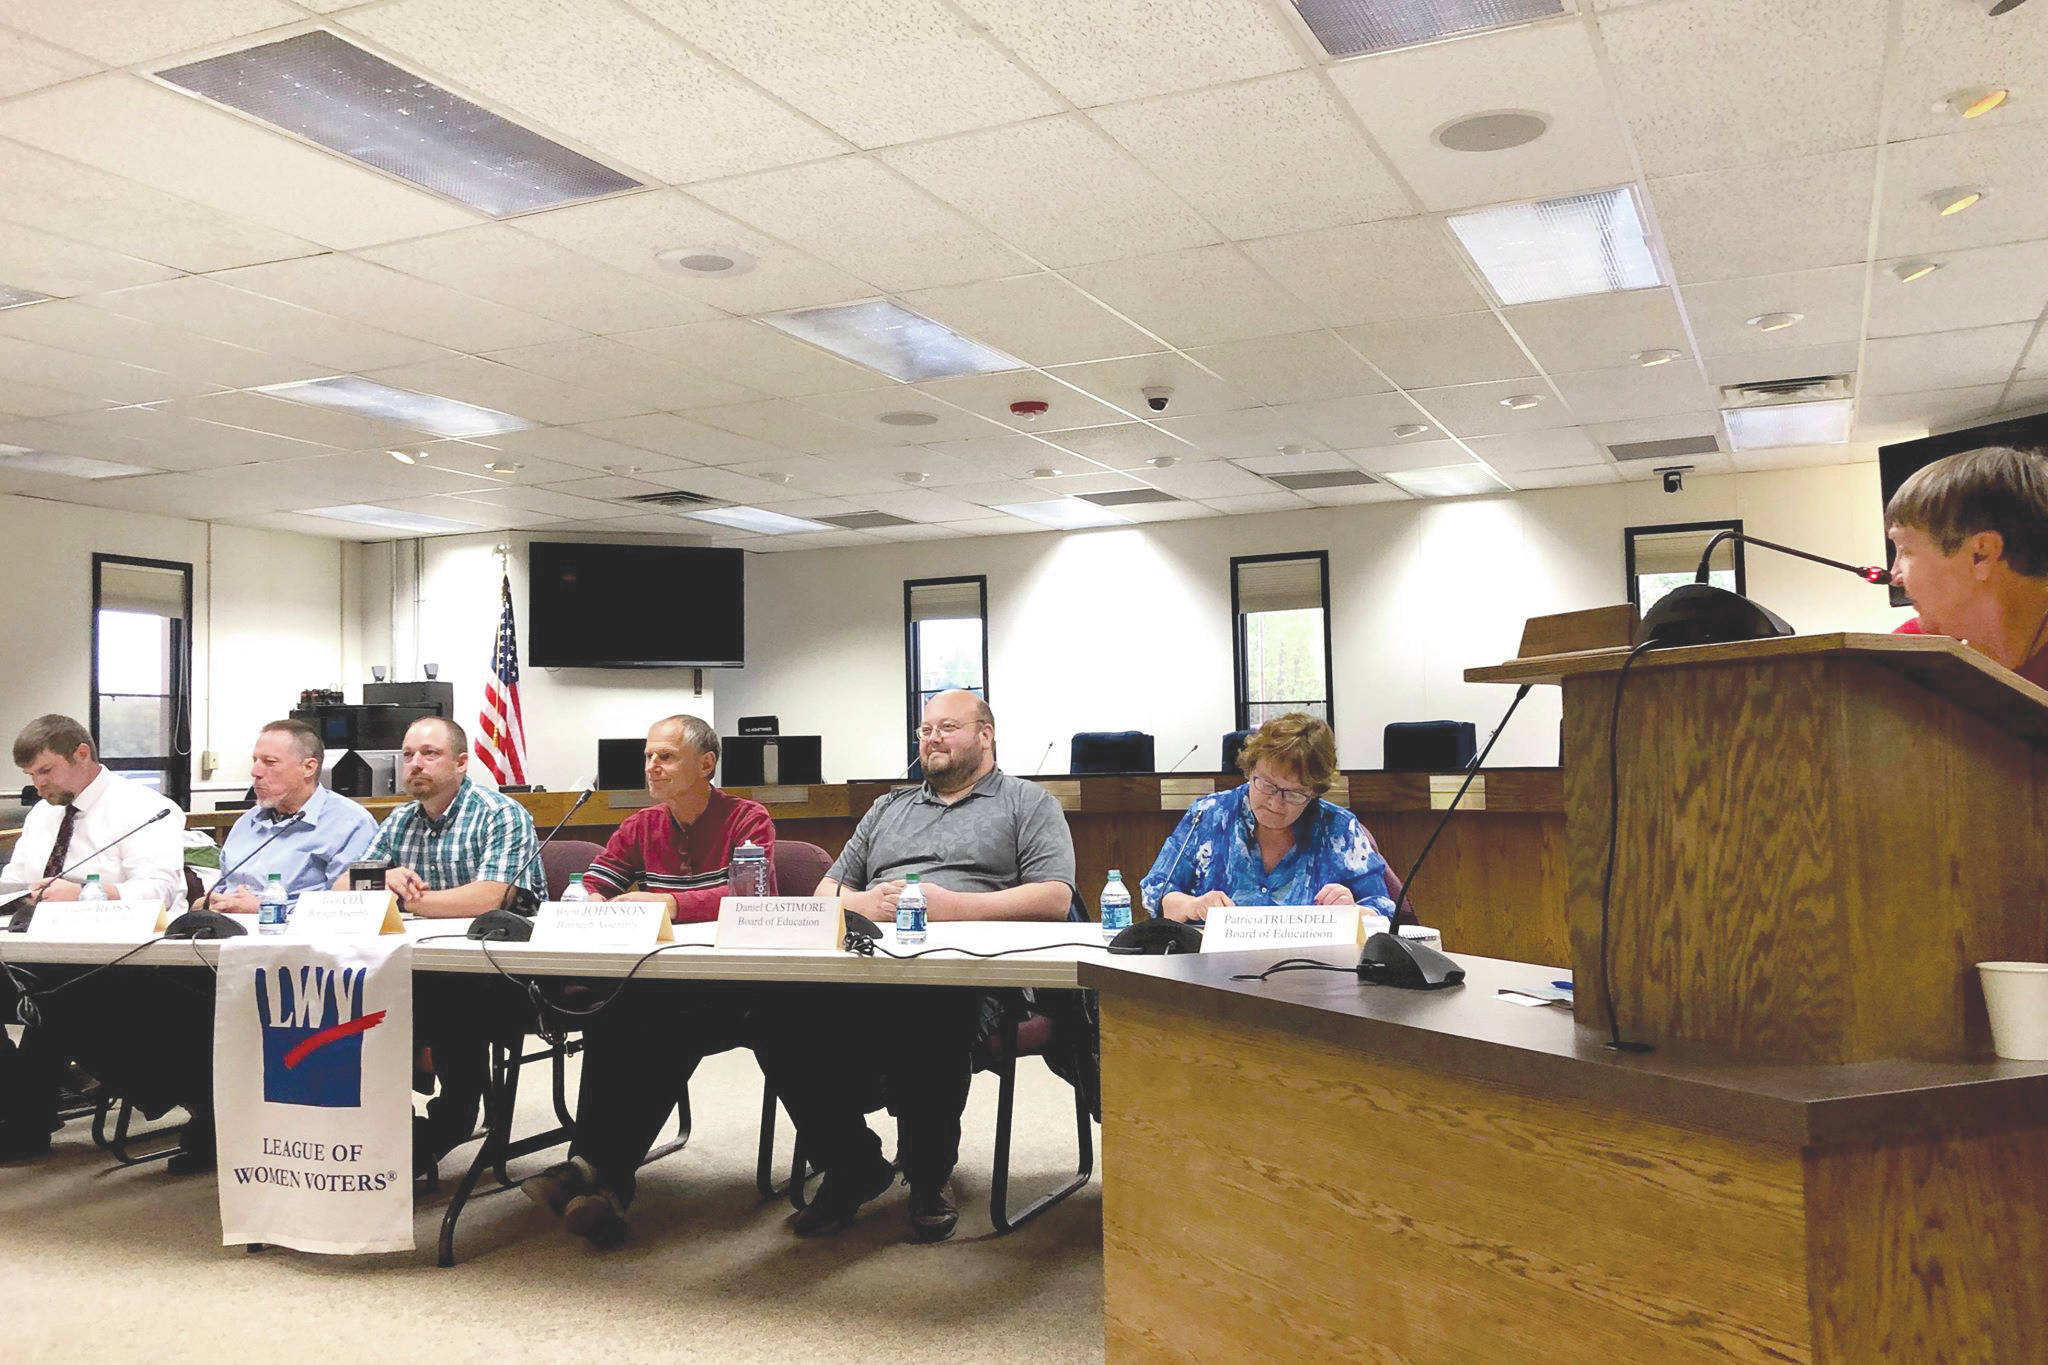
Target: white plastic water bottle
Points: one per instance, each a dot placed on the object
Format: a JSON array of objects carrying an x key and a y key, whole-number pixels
[
  {"x": 272, "y": 906},
  {"x": 748, "y": 873},
  {"x": 576, "y": 890},
  {"x": 910, "y": 913},
  {"x": 92, "y": 890},
  {"x": 1116, "y": 906}
]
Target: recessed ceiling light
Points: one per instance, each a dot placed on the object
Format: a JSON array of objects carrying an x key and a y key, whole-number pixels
[
  {"x": 1346, "y": 28},
  {"x": 1163, "y": 461},
  {"x": 1045, "y": 471},
  {"x": 70, "y": 466},
  {"x": 1650, "y": 360},
  {"x": 912, "y": 476},
  {"x": 1294, "y": 450},
  {"x": 354, "y": 103},
  {"x": 887, "y": 337},
  {"x": 1975, "y": 103},
  {"x": 1522, "y": 402},
  {"x": 1776, "y": 322},
  {"x": 1065, "y": 514},
  {"x": 1953, "y": 201},
  {"x": 1497, "y": 131},
  {"x": 1905, "y": 272},
  {"x": 759, "y": 520},
  {"x": 1562, "y": 248},
  {"x": 369, "y": 514},
  {"x": 408, "y": 456},
  {"x": 501, "y": 467},
  {"x": 1789, "y": 424},
  {"x": 421, "y": 411},
  {"x": 706, "y": 260},
  {"x": 776, "y": 476},
  {"x": 1449, "y": 481},
  {"x": 12, "y": 297},
  {"x": 909, "y": 417},
  {"x": 1408, "y": 429},
  {"x": 624, "y": 471}
]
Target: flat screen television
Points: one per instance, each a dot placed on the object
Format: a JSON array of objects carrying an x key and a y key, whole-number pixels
[
  {"x": 1897, "y": 462},
  {"x": 635, "y": 606}
]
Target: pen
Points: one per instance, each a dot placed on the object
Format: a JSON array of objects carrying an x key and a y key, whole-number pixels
[{"x": 1562, "y": 985}]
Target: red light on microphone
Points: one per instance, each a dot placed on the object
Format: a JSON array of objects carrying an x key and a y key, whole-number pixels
[{"x": 1876, "y": 575}]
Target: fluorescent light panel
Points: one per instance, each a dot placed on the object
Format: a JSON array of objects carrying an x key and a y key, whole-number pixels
[
  {"x": 70, "y": 466},
  {"x": 419, "y": 411},
  {"x": 1560, "y": 248},
  {"x": 1789, "y": 424},
  {"x": 1450, "y": 481},
  {"x": 1346, "y": 28},
  {"x": 1064, "y": 514},
  {"x": 14, "y": 297},
  {"x": 758, "y": 520},
  {"x": 349, "y": 101},
  {"x": 369, "y": 514},
  {"x": 888, "y": 337}
]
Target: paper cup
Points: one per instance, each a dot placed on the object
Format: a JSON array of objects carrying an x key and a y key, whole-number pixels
[{"x": 2016, "y": 995}]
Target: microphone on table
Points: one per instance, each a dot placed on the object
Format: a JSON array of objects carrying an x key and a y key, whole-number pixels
[
  {"x": 1185, "y": 757},
  {"x": 207, "y": 922},
  {"x": 1158, "y": 936},
  {"x": 1697, "y": 613},
  {"x": 1039, "y": 767},
  {"x": 27, "y": 911},
  {"x": 512, "y": 921},
  {"x": 1390, "y": 960}
]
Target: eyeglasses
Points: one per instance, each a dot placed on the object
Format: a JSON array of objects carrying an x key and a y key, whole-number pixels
[
  {"x": 1286, "y": 796},
  {"x": 945, "y": 729}
]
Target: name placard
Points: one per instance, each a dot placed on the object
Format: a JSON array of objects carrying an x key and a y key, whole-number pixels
[
  {"x": 602, "y": 924},
  {"x": 344, "y": 914},
  {"x": 1241, "y": 928},
  {"x": 98, "y": 921},
  {"x": 814, "y": 922}
]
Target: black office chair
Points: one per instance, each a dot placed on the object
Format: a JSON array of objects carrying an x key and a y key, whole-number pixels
[
  {"x": 1111, "y": 751},
  {"x": 1430, "y": 746},
  {"x": 1233, "y": 744}
]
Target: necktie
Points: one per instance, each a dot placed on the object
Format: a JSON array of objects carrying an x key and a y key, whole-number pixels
[{"x": 63, "y": 844}]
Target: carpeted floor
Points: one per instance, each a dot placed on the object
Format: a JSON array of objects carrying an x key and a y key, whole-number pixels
[{"x": 102, "y": 1262}]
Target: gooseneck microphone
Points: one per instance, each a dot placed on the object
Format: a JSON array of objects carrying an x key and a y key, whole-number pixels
[
  {"x": 1698, "y": 613},
  {"x": 1040, "y": 766},
  {"x": 512, "y": 921},
  {"x": 1869, "y": 573},
  {"x": 1185, "y": 757},
  {"x": 204, "y": 921},
  {"x": 27, "y": 911}
]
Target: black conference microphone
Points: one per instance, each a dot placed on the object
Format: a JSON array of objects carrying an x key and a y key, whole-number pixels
[
  {"x": 27, "y": 912},
  {"x": 1185, "y": 757},
  {"x": 1040, "y": 767},
  {"x": 207, "y": 922},
  {"x": 1697, "y": 613},
  {"x": 512, "y": 921},
  {"x": 1159, "y": 936},
  {"x": 1390, "y": 960}
]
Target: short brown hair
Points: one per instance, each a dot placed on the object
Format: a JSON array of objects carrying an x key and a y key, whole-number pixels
[
  {"x": 304, "y": 738},
  {"x": 51, "y": 734},
  {"x": 1996, "y": 488},
  {"x": 458, "y": 738},
  {"x": 1296, "y": 741}
]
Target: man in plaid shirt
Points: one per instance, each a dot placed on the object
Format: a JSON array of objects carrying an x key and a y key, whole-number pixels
[{"x": 456, "y": 849}]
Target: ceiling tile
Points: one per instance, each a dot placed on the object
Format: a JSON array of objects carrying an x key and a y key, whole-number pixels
[
  {"x": 1166, "y": 511},
  {"x": 1831, "y": 299},
  {"x": 1577, "y": 476},
  {"x": 297, "y": 421},
  {"x": 990, "y": 396},
  {"x": 604, "y": 76},
  {"x": 792, "y": 426},
  {"x": 105, "y": 380},
  {"x": 603, "y": 364},
  {"x": 613, "y": 487},
  {"x": 2006, "y": 163},
  {"x": 1121, "y": 383},
  {"x": 346, "y": 287},
  {"x": 881, "y": 72},
  {"x": 863, "y": 410},
  {"x": 727, "y": 486},
  {"x": 1007, "y": 492},
  {"x": 91, "y": 331},
  {"x": 1194, "y": 298},
  {"x": 115, "y": 214},
  {"x": 213, "y": 310},
  {"x": 1952, "y": 54},
  {"x": 552, "y": 446},
  {"x": 496, "y": 261},
  {"x": 1275, "y": 501},
  {"x": 1710, "y": 83},
  {"x": 29, "y": 64},
  {"x": 1946, "y": 360},
  {"x": 1972, "y": 289},
  {"x": 1410, "y": 454},
  {"x": 1009, "y": 457},
  {"x": 1426, "y": 353},
  {"x": 1770, "y": 219},
  {"x": 1905, "y": 416},
  {"x": 176, "y": 143},
  {"x": 514, "y": 471},
  {"x": 119, "y": 32},
  {"x": 669, "y": 434},
  {"x": 749, "y": 353},
  {"x": 1040, "y": 319},
  {"x": 1259, "y": 158},
  {"x": 59, "y": 267},
  {"x": 1299, "y": 368},
  {"x": 1125, "y": 445},
  {"x": 1475, "y": 409},
  {"x": 167, "y": 439},
  {"x": 1208, "y": 480},
  {"x": 1600, "y": 330},
  {"x": 1293, "y": 462},
  {"x": 1527, "y": 450},
  {"x": 1617, "y": 395},
  {"x": 1353, "y": 423},
  {"x": 1096, "y": 51},
  {"x": 483, "y": 516},
  {"x": 996, "y": 526},
  {"x": 628, "y": 231},
  {"x": 855, "y": 214},
  {"x": 828, "y": 476},
  {"x": 505, "y": 389},
  {"x": 1406, "y": 97},
  {"x": 1251, "y": 432},
  {"x": 1057, "y": 188},
  {"x": 1371, "y": 272},
  {"x": 20, "y": 399},
  {"x": 889, "y": 463},
  {"x": 919, "y": 504},
  {"x": 1797, "y": 362},
  {"x": 1356, "y": 494}
]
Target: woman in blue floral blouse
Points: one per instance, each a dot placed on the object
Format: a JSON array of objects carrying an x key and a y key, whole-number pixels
[{"x": 1273, "y": 840}]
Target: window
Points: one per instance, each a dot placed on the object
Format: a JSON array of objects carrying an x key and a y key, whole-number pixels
[
  {"x": 1281, "y": 605},
  {"x": 945, "y": 631},
  {"x": 142, "y": 669},
  {"x": 1660, "y": 558}
]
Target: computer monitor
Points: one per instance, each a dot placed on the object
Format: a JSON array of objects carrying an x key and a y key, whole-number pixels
[
  {"x": 621, "y": 764},
  {"x": 781, "y": 760}
]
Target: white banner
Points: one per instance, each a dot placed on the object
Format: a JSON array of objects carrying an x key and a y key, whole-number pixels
[{"x": 312, "y": 1093}]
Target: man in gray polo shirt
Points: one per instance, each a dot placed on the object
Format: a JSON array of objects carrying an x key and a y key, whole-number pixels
[{"x": 985, "y": 846}]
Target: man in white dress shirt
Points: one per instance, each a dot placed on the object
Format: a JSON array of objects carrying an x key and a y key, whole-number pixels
[{"x": 84, "y": 812}]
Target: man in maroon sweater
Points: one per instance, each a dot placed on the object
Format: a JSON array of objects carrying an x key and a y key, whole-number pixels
[{"x": 640, "y": 1049}]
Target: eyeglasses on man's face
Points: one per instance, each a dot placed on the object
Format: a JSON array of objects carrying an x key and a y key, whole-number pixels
[
  {"x": 945, "y": 729},
  {"x": 1291, "y": 797}
]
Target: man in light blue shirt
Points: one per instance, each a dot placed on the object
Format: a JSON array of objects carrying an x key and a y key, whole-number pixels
[{"x": 313, "y": 834}]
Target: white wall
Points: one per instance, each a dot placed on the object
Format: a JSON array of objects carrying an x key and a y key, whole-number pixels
[
  {"x": 1130, "y": 627},
  {"x": 267, "y": 619}
]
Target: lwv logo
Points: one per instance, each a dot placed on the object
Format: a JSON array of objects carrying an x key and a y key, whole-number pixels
[{"x": 313, "y": 1041}]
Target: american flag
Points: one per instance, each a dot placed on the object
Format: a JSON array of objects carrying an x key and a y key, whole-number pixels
[{"x": 501, "y": 729}]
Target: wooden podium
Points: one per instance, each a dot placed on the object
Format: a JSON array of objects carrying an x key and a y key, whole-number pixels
[{"x": 1819, "y": 837}]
